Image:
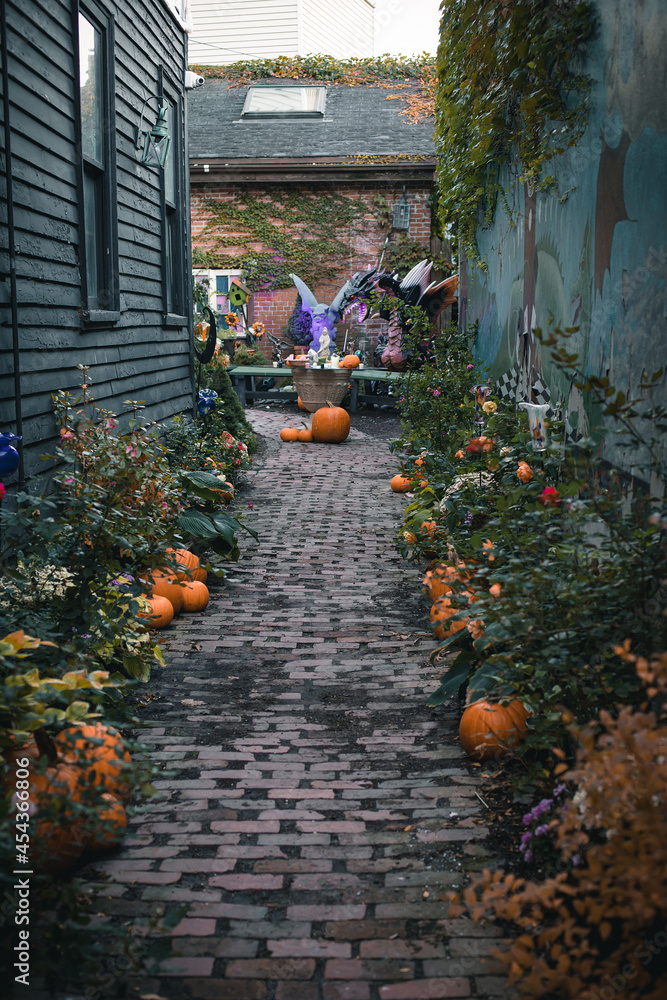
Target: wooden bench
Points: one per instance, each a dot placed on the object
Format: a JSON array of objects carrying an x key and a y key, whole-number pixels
[{"x": 243, "y": 379}]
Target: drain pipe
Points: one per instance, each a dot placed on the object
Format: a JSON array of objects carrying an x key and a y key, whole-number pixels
[{"x": 10, "y": 240}]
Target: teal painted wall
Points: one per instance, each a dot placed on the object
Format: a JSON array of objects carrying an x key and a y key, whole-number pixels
[{"x": 598, "y": 260}]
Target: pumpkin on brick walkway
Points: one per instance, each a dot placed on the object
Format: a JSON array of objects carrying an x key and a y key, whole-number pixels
[
  {"x": 331, "y": 424},
  {"x": 489, "y": 731}
]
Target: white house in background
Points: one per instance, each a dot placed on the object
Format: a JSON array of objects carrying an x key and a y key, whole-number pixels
[{"x": 225, "y": 31}]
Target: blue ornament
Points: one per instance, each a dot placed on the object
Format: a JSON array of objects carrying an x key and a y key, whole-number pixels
[
  {"x": 206, "y": 404},
  {"x": 9, "y": 456}
]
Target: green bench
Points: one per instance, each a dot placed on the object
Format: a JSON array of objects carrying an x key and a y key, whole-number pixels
[{"x": 243, "y": 379}]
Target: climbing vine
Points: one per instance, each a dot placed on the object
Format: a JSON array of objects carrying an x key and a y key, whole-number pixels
[
  {"x": 352, "y": 72},
  {"x": 509, "y": 86},
  {"x": 306, "y": 233},
  {"x": 414, "y": 76}
]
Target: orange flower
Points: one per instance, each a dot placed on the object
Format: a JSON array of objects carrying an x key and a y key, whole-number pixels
[
  {"x": 524, "y": 472},
  {"x": 459, "y": 454},
  {"x": 495, "y": 589},
  {"x": 409, "y": 537},
  {"x": 476, "y": 628},
  {"x": 488, "y": 546}
]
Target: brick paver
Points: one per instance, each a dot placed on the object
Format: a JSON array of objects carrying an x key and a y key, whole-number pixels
[{"x": 313, "y": 813}]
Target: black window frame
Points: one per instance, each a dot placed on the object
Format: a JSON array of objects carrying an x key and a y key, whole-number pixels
[
  {"x": 105, "y": 307},
  {"x": 174, "y": 225}
]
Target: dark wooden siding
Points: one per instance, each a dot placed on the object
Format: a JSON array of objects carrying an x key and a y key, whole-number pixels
[{"x": 138, "y": 357}]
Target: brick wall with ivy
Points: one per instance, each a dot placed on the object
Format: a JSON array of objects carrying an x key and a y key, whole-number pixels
[{"x": 320, "y": 232}]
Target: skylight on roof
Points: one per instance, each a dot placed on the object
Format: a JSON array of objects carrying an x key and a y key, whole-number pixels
[{"x": 284, "y": 102}]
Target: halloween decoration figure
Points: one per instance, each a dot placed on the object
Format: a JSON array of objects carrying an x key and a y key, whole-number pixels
[
  {"x": 323, "y": 318},
  {"x": 413, "y": 290}
]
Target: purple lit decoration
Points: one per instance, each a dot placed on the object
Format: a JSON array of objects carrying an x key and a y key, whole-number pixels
[
  {"x": 207, "y": 399},
  {"x": 9, "y": 456}
]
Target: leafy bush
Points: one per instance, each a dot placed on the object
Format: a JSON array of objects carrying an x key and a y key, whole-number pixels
[{"x": 597, "y": 929}]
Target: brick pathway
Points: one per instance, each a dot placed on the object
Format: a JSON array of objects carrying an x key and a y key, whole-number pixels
[{"x": 315, "y": 813}]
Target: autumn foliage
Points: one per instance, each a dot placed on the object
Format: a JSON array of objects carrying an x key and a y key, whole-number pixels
[{"x": 597, "y": 929}]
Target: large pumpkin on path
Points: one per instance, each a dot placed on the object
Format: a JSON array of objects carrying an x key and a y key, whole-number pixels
[
  {"x": 488, "y": 730},
  {"x": 331, "y": 424}
]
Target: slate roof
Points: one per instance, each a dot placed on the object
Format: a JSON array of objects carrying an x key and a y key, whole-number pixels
[{"x": 357, "y": 121}]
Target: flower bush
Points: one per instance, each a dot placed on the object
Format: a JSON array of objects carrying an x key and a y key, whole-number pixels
[{"x": 574, "y": 566}]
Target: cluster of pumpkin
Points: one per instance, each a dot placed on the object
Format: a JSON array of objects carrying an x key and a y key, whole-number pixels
[
  {"x": 184, "y": 590},
  {"x": 486, "y": 730},
  {"x": 330, "y": 425},
  {"x": 88, "y": 768}
]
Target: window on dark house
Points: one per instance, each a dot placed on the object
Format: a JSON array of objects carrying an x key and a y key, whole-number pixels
[
  {"x": 98, "y": 249},
  {"x": 173, "y": 221}
]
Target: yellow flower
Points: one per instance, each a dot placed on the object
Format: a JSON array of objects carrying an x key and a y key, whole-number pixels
[
  {"x": 409, "y": 537},
  {"x": 489, "y": 407}
]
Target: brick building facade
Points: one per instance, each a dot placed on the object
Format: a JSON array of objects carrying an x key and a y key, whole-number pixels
[{"x": 361, "y": 149}]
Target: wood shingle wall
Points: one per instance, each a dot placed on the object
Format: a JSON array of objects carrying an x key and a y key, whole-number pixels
[{"x": 144, "y": 354}]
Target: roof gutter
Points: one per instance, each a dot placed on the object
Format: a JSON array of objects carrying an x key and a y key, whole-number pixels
[{"x": 288, "y": 169}]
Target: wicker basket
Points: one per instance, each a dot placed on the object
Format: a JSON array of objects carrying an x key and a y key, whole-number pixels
[{"x": 316, "y": 386}]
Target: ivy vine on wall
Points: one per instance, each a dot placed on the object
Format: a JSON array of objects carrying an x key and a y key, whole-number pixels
[
  {"x": 303, "y": 232},
  {"x": 308, "y": 233},
  {"x": 509, "y": 86}
]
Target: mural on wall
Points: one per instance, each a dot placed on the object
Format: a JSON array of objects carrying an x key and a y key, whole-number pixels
[{"x": 598, "y": 259}]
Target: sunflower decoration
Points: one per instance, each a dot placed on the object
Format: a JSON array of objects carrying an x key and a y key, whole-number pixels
[
  {"x": 231, "y": 319},
  {"x": 257, "y": 329}
]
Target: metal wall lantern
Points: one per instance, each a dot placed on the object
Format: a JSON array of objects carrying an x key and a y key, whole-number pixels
[
  {"x": 155, "y": 140},
  {"x": 401, "y": 218}
]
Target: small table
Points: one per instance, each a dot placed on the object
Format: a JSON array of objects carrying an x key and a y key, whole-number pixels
[{"x": 242, "y": 380}]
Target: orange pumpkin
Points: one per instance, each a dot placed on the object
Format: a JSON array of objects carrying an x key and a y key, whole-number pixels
[
  {"x": 435, "y": 584},
  {"x": 331, "y": 424},
  {"x": 441, "y": 612},
  {"x": 110, "y": 826},
  {"x": 488, "y": 731},
  {"x": 200, "y": 574},
  {"x": 289, "y": 434},
  {"x": 305, "y": 434},
  {"x": 300, "y": 404},
  {"x": 169, "y": 587},
  {"x": 56, "y": 842},
  {"x": 159, "y": 611},
  {"x": 400, "y": 484},
  {"x": 195, "y": 596},
  {"x": 99, "y": 751},
  {"x": 350, "y": 361},
  {"x": 184, "y": 556}
]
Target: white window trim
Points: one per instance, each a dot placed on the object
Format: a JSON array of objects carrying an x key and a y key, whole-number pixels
[{"x": 180, "y": 11}]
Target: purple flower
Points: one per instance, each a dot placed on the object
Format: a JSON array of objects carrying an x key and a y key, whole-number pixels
[
  {"x": 576, "y": 860},
  {"x": 436, "y": 392},
  {"x": 559, "y": 789},
  {"x": 542, "y": 830},
  {"x": 528, "y": 819},
  {"x": 528, "y": 856},
  {"x": 525, "y": 840}
]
